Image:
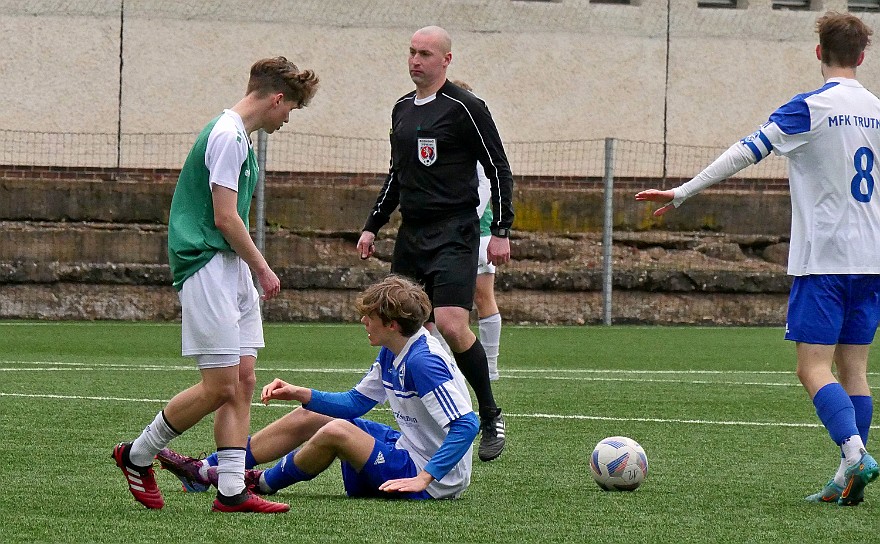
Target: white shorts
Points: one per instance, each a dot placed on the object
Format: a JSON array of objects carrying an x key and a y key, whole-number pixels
[
  {"x": 483, "y": 265},
  {"x": 221, "y": 312}
]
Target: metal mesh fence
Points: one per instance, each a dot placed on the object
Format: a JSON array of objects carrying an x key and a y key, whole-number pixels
[
  {"x": 732, "y": 253},
  {"x": 657, "y": 263},
  {"x": 305, "y": 152}
]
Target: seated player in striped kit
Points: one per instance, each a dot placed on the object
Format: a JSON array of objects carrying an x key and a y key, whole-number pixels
[
  {"x": 429, "y": 457},
  {"x": 831, "y": 137}
]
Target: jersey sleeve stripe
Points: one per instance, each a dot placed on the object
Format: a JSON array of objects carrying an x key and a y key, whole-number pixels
[
  {"x": 755, "y": 151},
  {"x": 444, "y": 399},
  {"x": 384, "y": 195},
  {"x": 751, "y": 143},
  {"x": 483, "y": 141},
  {"x": 766, "y": 141}
]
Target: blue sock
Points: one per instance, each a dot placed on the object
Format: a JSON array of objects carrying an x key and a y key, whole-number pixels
[
  {"x": 249, "y": 461},
  {"x": 864, "y": 407},
  {"x": 836, "y": 412},
  {"x": 285, "y": 473}
]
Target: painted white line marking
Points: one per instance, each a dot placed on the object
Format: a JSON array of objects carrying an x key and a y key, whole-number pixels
[{"x": 287, "y": 407}]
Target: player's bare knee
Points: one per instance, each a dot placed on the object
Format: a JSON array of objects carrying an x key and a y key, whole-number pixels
[
  {"x": 803, "y": 373},
  {"x": 298, "y": 417},
  {"x": 247, "y": 384},
  {"x": 334, "y": 433},
  {"x": 221, "y": 393}
]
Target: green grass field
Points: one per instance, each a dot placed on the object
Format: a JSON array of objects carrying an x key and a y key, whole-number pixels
[{"x": 732, "y": 440}]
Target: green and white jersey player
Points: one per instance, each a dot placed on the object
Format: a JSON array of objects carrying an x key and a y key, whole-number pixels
[
  {"x": 212, "y": 256},
  {"x": 484, "y": 299}
]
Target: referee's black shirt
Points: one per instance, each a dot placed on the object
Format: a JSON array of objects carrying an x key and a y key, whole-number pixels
[{"x": 435, "y": 147}]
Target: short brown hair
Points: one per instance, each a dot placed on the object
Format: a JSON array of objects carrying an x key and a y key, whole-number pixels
[
  {"x": 279, "y": 75},
  {"x": 842, "y": 38},
  {"x": 396, "y": 299}
]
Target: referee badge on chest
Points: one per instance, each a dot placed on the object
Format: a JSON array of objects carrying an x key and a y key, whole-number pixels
[{"x": 428, "y": 150}]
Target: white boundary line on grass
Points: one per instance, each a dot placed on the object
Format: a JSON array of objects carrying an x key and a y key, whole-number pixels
[
  {"x": 585, "y": 375},
  {"x": 363, "y": 369},
  {"x": 507, "y": 372},
  {"x": 43, "y": 366},
  {"x": 545, "y": 374},
  {"x": 513, "y": 415}
]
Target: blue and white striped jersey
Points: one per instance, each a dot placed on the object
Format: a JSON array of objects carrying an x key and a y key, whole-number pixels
[
  {"x": 831, "y": 137},
  {"x": 425, "y": 391}
]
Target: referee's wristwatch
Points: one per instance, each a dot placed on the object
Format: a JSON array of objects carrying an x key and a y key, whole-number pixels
[{"x": 501, "y": 233}]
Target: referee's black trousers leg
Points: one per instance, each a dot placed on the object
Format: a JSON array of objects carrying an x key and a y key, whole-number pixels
[{"x": 475, "y": 367}]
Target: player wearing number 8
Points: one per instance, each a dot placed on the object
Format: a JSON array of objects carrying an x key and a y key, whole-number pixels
[{"x": 831, "y": 137}]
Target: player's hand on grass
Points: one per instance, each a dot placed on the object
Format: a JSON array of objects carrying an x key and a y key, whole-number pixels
[
  {"x": 416, "y": 484},
  {"x": 656, "y": 195},
  {"x": 365, "y": 246}
]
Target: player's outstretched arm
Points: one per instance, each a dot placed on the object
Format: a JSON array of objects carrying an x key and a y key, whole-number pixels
[
  {"x": 656, "y": 195},
  {"x": 738, "y": 156},
  {"x": 278, "y": 389}
]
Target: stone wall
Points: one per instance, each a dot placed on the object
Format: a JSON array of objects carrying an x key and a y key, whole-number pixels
[{"x": 90, "y": 249}]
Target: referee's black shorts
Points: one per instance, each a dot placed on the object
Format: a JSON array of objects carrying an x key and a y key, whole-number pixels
[{"x": 442, "y": 257}]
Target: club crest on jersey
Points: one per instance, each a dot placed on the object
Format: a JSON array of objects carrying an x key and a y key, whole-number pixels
[{"x": 428, "y": 151}]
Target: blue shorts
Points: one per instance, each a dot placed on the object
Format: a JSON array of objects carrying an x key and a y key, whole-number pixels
[
  {"x": 385, "y": 463},
  {"x": 831, "y": 309}
]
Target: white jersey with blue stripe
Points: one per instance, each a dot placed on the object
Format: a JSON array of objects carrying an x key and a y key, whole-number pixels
[
  {"x": 425, "y": 391},
  {"x": 831, "y": 137}
]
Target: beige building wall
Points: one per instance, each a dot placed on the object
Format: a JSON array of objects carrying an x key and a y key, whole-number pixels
[{"x": 565, "y": 70}]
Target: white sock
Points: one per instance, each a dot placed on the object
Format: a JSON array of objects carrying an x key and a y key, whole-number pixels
[
  {"x": 852, "y": 449},
  {"x": 230, "y": 471},
  {"x": 838, "y": 476},
  {"x": 264, "y": 487},
  {"x": 436, "y": 334},
  {"x": 154, "y": 437},
  {"x": 490, "y": 337}
]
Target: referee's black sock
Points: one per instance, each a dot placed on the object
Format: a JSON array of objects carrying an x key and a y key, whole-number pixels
[{"x": 475, "y": 367}]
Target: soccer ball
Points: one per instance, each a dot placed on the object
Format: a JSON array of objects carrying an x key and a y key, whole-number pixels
[{"x": 618, "y": 463}]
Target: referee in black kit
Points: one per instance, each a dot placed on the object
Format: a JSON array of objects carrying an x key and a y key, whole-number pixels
[{"x": 438, "y": 133}]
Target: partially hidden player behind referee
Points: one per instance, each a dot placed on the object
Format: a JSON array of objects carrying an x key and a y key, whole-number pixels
[{"x": 438, "y": 134}]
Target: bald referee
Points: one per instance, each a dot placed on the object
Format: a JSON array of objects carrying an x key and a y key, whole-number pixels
[{"x": 438, "y": 134}]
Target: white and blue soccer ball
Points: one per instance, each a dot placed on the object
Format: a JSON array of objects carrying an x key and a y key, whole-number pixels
[{"x": 618, "y": 463}]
